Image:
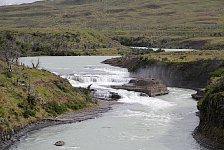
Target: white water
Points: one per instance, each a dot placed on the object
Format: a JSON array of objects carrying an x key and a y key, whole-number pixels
[{"x": 139, "y": 123}]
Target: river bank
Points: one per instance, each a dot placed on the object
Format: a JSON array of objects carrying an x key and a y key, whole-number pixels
[
  {"x": 132, "y": 125},
  {"x": 169, "y": 68},
  {"x": 189, "y": 74},
  {"x": 71, "y": 117},
  {"x": 206, "y": 142}
]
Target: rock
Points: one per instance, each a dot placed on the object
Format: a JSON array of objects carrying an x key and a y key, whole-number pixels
[
  {"x": 114, "y": 95},
  {"x": 59, "y": 143},
  {"x": 143, "y": 94},
  {"x": 151, "y": 87},
  {"x": 200, "y": 94}
]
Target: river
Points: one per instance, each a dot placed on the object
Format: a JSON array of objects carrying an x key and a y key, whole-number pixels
[{"x": 137, "y": 123}]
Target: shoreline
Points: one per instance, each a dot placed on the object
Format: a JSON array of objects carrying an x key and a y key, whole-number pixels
[
  {"x": 125, "y": 63},
  {"x": 70, "y": 117},
  {"x": 206, "y": 142}
]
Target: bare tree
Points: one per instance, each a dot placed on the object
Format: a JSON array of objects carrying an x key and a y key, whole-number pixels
[
  {"x": 37, "y": 64},
  {"x": 9, "y": 52}
]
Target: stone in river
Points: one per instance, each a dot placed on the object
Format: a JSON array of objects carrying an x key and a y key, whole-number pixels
[
  {"x": 59, "y": 143},
  {"x": 150, "y": 86}
]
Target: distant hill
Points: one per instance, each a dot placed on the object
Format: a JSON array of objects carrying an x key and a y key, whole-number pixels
[{"x": 171, "y": 23}]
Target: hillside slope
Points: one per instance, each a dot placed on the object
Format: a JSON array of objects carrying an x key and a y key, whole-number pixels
[
  {"x": 184, "y": 23},
  {"x": 52, "y": 42},
  {"x": 28, "y": 95}
]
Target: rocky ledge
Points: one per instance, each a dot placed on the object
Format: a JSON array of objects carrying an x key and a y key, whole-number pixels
[
  {"x": 151, "y": 87},
  {"x": 191, "y": 75},
  {"x": 199, "y": 95}
]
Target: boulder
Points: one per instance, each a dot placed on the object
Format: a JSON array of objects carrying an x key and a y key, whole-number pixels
[
  {"x": 150, "y": 86},
  {"x": 59, "y": 143},
  {"x": 200, "y": 94},
  {"x": 143, "y": 95},
  {"x": 114, "y": 96}
]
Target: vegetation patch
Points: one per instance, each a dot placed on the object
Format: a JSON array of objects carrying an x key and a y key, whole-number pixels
[
  {"x": 170, "y": 24},
  {"x": 52, "y": 43},
  {"x": 29, "y": 94},
  {"x": 211, "y": 110}
]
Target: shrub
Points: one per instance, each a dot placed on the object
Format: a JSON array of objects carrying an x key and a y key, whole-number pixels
[
  {"x": 159, "y": 50},
  {"x": 76, "y": 105},
  {"x": 61, "y": 86},
  {"x": 28, "y": 113},
  {"x": 54, "y": 108},
  {"x": 217, "y": 73},
  {"x": 8, "y": 74},
  {"x": 31, "y": 100},
  {"x": 165, "y": 59},
  {"x": 182, "y": 57}
]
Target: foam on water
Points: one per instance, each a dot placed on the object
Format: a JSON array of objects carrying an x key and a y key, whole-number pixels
[
  {"x": 134, "y": 97},
  {"x": 105, "y": 77},
  {"x": 97, "y": 79}
]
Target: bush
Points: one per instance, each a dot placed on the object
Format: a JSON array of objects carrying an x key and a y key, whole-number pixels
[
  {"x": 159, "y": 50},
  {"x": 182, "y": 57},
  {"x": 8, "y": 74},
  {"x": 61, "y": 86},
  {"x": 217, "y": 73},
  {"x": 165, "y": 59},
  {"x": 142, "y": 62},
  {"x": 216, "y": 87},
  {"x": 76, "y": 105},
  {"x": 28, "y": 113},
  {"x": 31, "y": 100},
  {"x": 54, "y": 108}
]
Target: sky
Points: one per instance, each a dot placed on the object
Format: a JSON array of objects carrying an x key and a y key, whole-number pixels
[{"x": 11, "y": 2}]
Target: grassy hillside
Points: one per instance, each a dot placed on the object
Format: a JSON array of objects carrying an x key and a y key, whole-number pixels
[
  {"x": 211, "y": 108},
  {"x": 205, "y": 58},
  {"x": 28, "y": 94},
  {"x": 170, "y": 23},
  {"x": 186, "y": 56},
  {"x": 53, "y": 42}
]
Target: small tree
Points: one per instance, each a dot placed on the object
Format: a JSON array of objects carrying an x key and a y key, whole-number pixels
[
  {"x": 37, "y": 64},
  {"x": 9, "y": 51}
]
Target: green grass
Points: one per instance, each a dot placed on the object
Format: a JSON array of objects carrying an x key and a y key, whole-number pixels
[
  {"x": 211, "y": 108},
  {"x": 51, "y": 42},
  {"x": 168, "y": 23},
  {"x": 49, "y": 96},
  {"x": 217, "y": 73},
  {"x": 186, "y": 56},
  {"x": 134, "y": 62}
]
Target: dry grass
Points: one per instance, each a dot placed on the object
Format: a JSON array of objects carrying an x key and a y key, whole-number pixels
[
  {"x": 187, "y": 56},
  {"x": 178, "y": 20}
]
